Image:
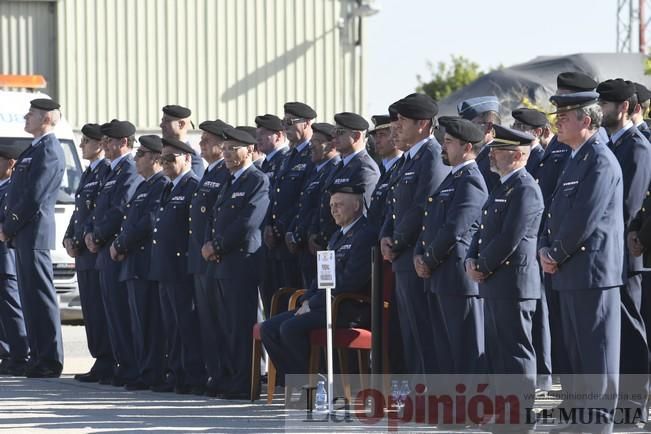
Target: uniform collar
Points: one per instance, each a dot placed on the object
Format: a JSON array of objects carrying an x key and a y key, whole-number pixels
[
  {"x": 115, "y": 162},
  {"x": 458, "y": 167},
  {"x": 388, "y": 163},
  {"x": 212, "y": 165},
  {"x": 94, "y": 164},
  {"x": 349, "y": 157},
  {"x": 38, "y": 139},
  {"x": 178, "y": 179},
  {"x": 506, "y": 177},
  {"x": 618, "y": 134},
  {"x": 4, "y": 181},
  {"x": 239, "y": 172},
  {"x": 414, "y": 149},
  {"x": 271, "y": 154},
  {"x": 348, "y": 227},
  {"x": 301, "y": 146}
]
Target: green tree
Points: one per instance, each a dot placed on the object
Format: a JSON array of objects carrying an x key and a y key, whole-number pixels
[{"x": 446, "y": 79}]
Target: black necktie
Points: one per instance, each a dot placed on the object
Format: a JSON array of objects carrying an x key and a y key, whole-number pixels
[
  {"x": 266, "y": 166},
  {"x": 167, "y": 192},
  {"x": 338, "y": 235}
]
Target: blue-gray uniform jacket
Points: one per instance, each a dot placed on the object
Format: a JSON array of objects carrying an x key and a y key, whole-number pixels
[
  {"x": 308, "y": 203},
  {"x": 169, "y": 250},
  {"x": 110, "y": 207},
  {"x": 420, "y": 176},
  {"x": 7, "y": 254},
  {"x": 89, "y": 187},
  {"x": 272, "y": 166},
  {"x": 201, "y": 205},
  {"x": 238, "y": 213},
  {"x": 377, "y": 208},
  {"x": 483, "y": 162},
  {"x": 645, "y": 130},
  {"x": 288, "y": 182},
  {"x": 135, "y": 236},
  {"x": 451, "y": 219},
  {"x": 361, "y": 170},
  {"x": 550, "y": 167},
  {"x": 641, "y": 224},
  {"x": 31, "y": 196},
  {"x": 505, "y": 246},
  {"x": 584, "y": 228},
  {"x": 535, "y": 157},
  {"x": 352, "y": 263}
]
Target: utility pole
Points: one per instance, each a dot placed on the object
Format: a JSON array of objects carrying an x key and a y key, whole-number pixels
[{"x": 632, "y": 24}]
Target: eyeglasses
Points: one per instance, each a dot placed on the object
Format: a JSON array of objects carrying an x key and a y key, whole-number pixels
[
  {"x": 169, "y": 158},
  {"x": 141, "y": 153},
  {"x": 292, "y": 121}
]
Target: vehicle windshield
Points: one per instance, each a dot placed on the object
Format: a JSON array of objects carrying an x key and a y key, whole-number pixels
[{"x": 73, "y": 171}]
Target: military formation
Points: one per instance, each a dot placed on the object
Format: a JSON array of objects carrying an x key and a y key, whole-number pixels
[{"x": 511, "y": 250}]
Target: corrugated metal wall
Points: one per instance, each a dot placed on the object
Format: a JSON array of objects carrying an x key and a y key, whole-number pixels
[
  {"x": 232, "y": 59},
  {"x": 27, "y": 40}
]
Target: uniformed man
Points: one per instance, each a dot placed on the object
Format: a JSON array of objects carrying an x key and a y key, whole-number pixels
[
  {"x": 485, "y": 112},
  {"x": 214, "y": 179},
  {"x": 450, "y": 220},
  {"x": 92, "y": 306},
  {"x": 272, "y": 141},
  {"x": 12, "y": 323},
  {"x": 288, "y": 182},
  {"x": 547, "y": 174},
  {"x": 502, "y": 260},
  {"x": 533, "y": 122},
  {"x": 169, "y": 266},
  {"x": 175, "y": 124},
  {"x": 641, "y": 109},
  {"x": 420, "y": 176},
  {"x": 234, "y": 246},
  {"x": 356, "y": 167},
  {"x": 28, "y": 221},
  {"x": 582, "y": 248},
  {"x": 387, "y": 150},
  {"x": 618, "y": 99},
  {"x": 324, "y": 159},
  {"x": 132, "y": 248},
  {"x": 100, "y": 231},
  {"x": 286, "y": 336}
]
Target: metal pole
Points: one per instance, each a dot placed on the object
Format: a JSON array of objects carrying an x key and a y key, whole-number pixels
[
  {"x": 377, "y": 302},
  {"x": 642, "y": 32},
  {"x": 329, "y": 345}
]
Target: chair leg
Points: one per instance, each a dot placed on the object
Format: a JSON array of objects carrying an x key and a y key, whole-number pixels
[
  {"x": 343, "y": 371},
  {"x": 255, "y": 370},
  {"x": 271, "y": 380},
  {"x": 362, "y": 361}
]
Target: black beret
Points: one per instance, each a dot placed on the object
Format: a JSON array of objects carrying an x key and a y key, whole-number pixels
[
  {"x": 178, "y": 144},
  {"x": 380, "y": 122},
  {"x": 251, "y": 130},
  {"x": 13, "y": 149},
  {"x": 352, "y": 121},
  {"x": 417, "y": 106},
  {"x": 152, "y": 142},
  {"x": 531, "y": 117},
  {"x": 118, "y": 129},
  {"x": 439, "y": 134},
  {"x": 504, "y": 137},
  {"x": 44, "y": 104},
  {"x": 643, "y": 93},
  {"x": 393, "y": 111},
  {"x": 238, "y": 135},
  {"x": 270, "y": 122},
  {"x": 575, "y": 81},
  {"x": 177, "y": 111},
  {"x": 300, "y": 109},
  {"x": 462, "y": 129},
  {"x": 616, "y": 90},
  {"x": 215, "y": 127},
  {"x": 347, "y": 188},
  {"x": 324, "y": 128},
  {"x": 573, "y": 101},
  {"x": 92, "y": 131}
]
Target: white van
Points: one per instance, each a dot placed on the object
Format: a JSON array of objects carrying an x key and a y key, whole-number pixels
[{"x": 13, "y": 106}]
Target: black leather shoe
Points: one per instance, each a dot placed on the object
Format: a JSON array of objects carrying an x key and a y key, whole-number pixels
[
  {"x": 17, "y": 370},
  {"x": 106, "y": 381},
  {"x": 182, "y": 389},
  {"x": 136, "y": 385},
  {"x": 42, "y": 372},
  {"x": 162, "y": 388},
  {"x": 89, "y": 377},
  {"x": 198, "y": 390},
  {"x": 235, "y": 396},
  {"x": 118, "y": 382}
]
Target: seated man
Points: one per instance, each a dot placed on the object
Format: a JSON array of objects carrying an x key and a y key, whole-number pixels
[{"x": 286, "y": 335}]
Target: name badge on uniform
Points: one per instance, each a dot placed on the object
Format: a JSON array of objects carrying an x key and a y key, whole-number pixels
[
  {"x": 447, "y": 191},
  {"x": 212, "y": 184},
  {"x": 26, "y": 160},
  {"x": 109, "y": 184},
  {"x": 175, "y": 198},
  {"x": 500, "y": 200},
  {"x": 342, "y": 180},
  {"x": 237, "y": 194},
  {"x": 559, "y": 151},
  {"x": 566, "y": 184},
  {"x": 91, "y": 184},
  {"x": 299, "y": 167},
  {"x": 141, "y": 196},
  {"x": 345, "y": 247}
]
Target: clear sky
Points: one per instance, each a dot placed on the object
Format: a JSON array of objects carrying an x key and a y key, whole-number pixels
[{"x": 406, "y": 34}]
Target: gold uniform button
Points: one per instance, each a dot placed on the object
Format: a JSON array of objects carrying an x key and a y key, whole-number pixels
[
  {"x": 124, "y": 218},
  {"x": 549, "y": 231},
  {"x": 425, "y": 212},
  {"x": 393, "y": 216},
  {"x": 142, "y": 247},
  {"x": 190, "y": 231},
  {"x": 542, "y": 164},
  {"x": 485, "y": 212},
  {"x": 278, "y": 190},
  {"x": 190, "y": 206},
  {"x": 423, "y": 245},
  {"x": 178, "y": 254},
  {"x": 203, "y": 209},
  {"x": 155, "y": 229},
  {"x": 423, "y": 227},
  {"x": 549, "y": 215},
  {"x": 189, "y": 219},
  {"x": 479, "y": 242},
  {"x": 481, "y": 226},
  {"x": 154, "y": 242},
  {"x": 429, "y": 199},
  {"x": 648, "y": 193},
  {"x": 583, "y": 248},
  {"x": 161, "y": 208},
  {"x": 508, "y": 262}
]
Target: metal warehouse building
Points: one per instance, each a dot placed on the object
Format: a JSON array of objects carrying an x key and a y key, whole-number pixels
[{"x": 232, "y": 59}]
